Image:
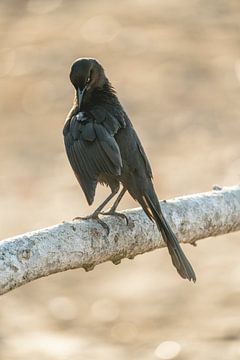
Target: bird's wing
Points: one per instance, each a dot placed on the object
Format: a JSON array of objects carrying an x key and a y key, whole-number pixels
[
  {"x": 92, "y": 149},
  {"x": 140, "y": 154},
  {"x": 145, "y": 159}
]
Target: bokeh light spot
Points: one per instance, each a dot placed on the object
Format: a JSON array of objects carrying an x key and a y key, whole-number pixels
[
  {"x": 100, "y": 29},
  {"x": 63, "y": 308},
  {"x": 167, "y": 350}
]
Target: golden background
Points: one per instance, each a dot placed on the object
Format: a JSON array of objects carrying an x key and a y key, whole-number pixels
[{"x": 176, "y": 68}]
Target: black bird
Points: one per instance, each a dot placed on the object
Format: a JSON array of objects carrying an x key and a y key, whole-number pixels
[{"x": 103, "y": 147}]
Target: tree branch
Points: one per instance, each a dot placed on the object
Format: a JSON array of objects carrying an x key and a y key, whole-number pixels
[{"x": 85, "y": 243}]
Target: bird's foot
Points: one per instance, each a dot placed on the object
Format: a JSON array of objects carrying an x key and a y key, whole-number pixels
[
  {"x": 94, "y": 216},
  {"x": 115, "y": 213}
]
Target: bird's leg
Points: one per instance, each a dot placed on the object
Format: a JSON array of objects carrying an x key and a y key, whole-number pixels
[
  {"x": 118, "y": 199},
  {"x": 112, "y": 211},
  {"x": 95, "y": 214}
]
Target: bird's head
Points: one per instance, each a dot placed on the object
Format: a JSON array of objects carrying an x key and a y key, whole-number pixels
[{"x": 86, "y": 75}]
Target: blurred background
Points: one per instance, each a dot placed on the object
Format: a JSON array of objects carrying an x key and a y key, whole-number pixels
[{"x": 176, "y": 68}]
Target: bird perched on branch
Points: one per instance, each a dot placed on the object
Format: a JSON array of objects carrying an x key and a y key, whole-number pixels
[{"x": 103, "y": 147}]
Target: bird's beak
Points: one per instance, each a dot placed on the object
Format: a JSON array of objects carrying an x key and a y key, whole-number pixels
[{"x": 80, "y": 94}]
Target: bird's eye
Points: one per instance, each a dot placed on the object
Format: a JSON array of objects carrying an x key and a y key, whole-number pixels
[{"x": 88, "y": 80}]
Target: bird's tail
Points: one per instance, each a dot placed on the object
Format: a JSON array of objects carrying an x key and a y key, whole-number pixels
[{"x": 152, "y": 208}]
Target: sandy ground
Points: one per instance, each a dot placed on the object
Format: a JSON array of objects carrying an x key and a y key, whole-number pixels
[{"x": 176, "y": 67}]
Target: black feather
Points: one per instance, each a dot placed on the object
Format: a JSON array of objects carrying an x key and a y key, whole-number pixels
[
  {"x": 179, "y": 259},
  {"x": 92, "y": 151},
  {"x": 102, "y": 146}
]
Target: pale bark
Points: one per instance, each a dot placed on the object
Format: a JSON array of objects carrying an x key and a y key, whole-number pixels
[{"x": 84, "y": 244}]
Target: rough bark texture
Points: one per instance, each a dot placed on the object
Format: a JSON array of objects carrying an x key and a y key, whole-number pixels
[{"x": 85, "y": 243}]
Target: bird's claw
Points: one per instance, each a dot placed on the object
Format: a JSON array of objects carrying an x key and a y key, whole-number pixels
[
  {"x": 115, "y": 213},
  {"x": 94, "y": 217},
  {"x": 104, "y": 225}
]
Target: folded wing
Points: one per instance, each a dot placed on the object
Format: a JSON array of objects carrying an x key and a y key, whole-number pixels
[{"x": 92, "y": 149}]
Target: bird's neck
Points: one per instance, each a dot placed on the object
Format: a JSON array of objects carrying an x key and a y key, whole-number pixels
[
  {"x": 105, "y": 96},
  {"x": 100, "y": 96}
]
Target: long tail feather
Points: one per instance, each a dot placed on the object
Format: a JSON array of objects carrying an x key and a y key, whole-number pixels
[{"x": 179, "y": 259}]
